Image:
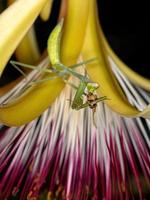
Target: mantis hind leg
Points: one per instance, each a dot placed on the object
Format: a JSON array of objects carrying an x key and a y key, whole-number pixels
[{"x": 103, "y": 98}]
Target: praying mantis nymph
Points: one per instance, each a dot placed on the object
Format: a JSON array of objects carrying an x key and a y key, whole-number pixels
[
  {"x": 86, "y": 88},
  {"x": 85, "y": 83}
]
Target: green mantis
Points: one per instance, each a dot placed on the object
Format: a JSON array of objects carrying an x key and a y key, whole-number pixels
[
  {"x": 85, "y": 83},
  {"x": 85, "y": 95}
]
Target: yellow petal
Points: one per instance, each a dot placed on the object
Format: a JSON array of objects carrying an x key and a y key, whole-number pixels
[
  {"x": 100, "y": 73},
  {"x": 46, "y": 11},
  {"x": 15, "y": 21},
  {"x": 28, "y": 51},
  {"x": 32, "y": 104},
  {"x": 74, "y": 30}
]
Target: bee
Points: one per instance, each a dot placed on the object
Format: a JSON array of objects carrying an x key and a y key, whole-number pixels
[{"x": 87, "y": 90}]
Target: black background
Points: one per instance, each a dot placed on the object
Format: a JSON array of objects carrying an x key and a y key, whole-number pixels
[{"x": 126, "y": 26}]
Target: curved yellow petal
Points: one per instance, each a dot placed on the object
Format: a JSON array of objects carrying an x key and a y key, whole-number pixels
[
  {"x": 133, "y": 76},
  {"x": 46, "y": 11},
  {"x": 74, "y": 30},
  {"x": 15, "y": 21},
  {"x": 27, "y": 50},
  {"x": 32, "y": 104},
  {"x": 40, "y": 97},
  {"x": 100, "y": 73}
]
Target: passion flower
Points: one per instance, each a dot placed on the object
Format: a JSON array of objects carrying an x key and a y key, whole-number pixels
[{"x": 47, "y": 149}]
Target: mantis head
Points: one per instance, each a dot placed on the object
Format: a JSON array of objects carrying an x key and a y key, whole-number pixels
[{"x": 92, "y": 87}]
